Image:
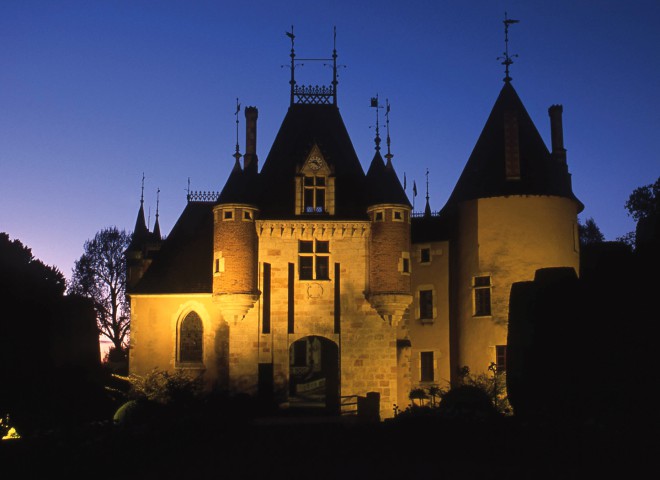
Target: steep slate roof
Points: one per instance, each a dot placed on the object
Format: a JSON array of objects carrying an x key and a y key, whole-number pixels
[
  {"x": 302, "y": 127},
  {"x": 140, "y": 232},
  {"x": 241, "y": 187},
  {"x": 383, "y": 183},
  {"x": 484, "y": 173},
  {"x": 185, "y": 259}
]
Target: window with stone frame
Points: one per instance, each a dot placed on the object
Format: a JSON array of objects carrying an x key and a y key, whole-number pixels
[
  {"x": 313, "y": 260},
  {"x": 426, "y": 367},
  {"x": 314, "y": 194},
  {"x": 191, "y": 334},
  {"x": 426, "y": 304},
  {"x": 482, "y": 293},
  {"x": 500, "y": 358}
]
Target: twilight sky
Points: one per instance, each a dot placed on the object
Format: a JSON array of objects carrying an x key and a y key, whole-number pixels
[{"x": 95, "y": 93}]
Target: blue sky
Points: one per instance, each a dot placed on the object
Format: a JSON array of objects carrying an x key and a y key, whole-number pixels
[{"x": 95, "y": 93}]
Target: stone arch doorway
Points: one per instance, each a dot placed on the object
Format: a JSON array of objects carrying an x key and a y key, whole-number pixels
[{"x": 314, "y": 374}]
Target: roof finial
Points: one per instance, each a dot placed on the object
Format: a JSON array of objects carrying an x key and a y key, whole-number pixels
[
  {"x": 427, "y": 208},
  {"x": 388, "y": 155},
  {"x": 334, "y": 64},
  {"x": 142, "y": 194},
  {"x": 237, "y": 154},
  {"x": 507, "y": 58},
  {"x": 292, "y": 82},
  {"x": 157, "y": 202},
  {"x": 374, "y": 104}
]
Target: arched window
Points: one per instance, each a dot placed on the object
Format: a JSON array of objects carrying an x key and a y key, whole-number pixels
[{"x": 190, "y": 338}]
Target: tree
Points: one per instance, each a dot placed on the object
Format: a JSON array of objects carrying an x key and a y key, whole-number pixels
[
  {"x": 100, "y": 274},
  {"x": 644, "y": 201},
  {"x": 589, "y": 232}
]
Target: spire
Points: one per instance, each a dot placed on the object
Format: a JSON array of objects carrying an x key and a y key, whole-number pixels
[
  {"x": 156, "y": 233},
  {"x": 507, "y": 59},
  {"x": 334, "y": 64},
  {"x": 140, "y": 232},
  {"x": 237, "y": 154},
  {"x": 374, "y": 104},
  {"x": 389, "y": 155}
]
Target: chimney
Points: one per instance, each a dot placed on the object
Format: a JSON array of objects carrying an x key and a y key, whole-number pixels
[
  {"x": 557, "y": 133},
  {"x": 250, "y": 157}
]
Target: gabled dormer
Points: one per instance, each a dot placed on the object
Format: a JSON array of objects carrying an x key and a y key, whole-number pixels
[{"x": 315, "y": 186}]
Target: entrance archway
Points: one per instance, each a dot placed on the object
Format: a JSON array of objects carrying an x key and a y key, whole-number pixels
[{"x": 314, "y": 374}]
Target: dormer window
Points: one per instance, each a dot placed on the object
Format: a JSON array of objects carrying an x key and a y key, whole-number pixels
[
  {"x": 315, "y": 186},
  {"x": 314, "y": 194}
]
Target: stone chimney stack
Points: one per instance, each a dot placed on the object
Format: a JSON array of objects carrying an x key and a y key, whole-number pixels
[
  {"x": 250, "y": 162},
  {"x": 557, "y": 133}
]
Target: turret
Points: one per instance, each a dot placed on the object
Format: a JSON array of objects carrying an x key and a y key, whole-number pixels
[
  {"x": 139, "y": 253},
  {"x": 389, "y": 244},
  {"x": 235, "y": 241}
]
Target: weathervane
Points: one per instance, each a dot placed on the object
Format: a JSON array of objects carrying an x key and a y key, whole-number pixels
[
  {"x": 237, "y": 154},
  {"x": 292, "y": 82},
  {"x": 507, "y": 58},
  {"x": 374, "y": 104}
]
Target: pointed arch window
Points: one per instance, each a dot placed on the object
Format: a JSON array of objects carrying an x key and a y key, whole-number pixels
[{"x": 191, "y": 334}]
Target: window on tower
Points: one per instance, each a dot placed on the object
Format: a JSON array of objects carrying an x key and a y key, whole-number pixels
[
  {"x": 314, "y": 260},
  {"x": 314, "y": 194},
  {"x": 481, "y": 288}
]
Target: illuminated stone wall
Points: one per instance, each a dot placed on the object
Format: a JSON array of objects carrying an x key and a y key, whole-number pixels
[
  {"x": 430, "y": 335},
  {"x": 508, "y": 239}
]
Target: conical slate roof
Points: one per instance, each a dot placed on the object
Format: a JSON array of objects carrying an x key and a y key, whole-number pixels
[
  {"x": 241, "y": 187},
  {"x": 303, "y": 127},
  {"x": 383, "y": 183},
  {"x": 140, "y": 232},
  {"x": 484, "y": 174}
]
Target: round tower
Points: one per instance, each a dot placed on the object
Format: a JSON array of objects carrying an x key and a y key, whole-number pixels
[
  {"x": 389, "y": 244},
  {"x": 235, "y": 240}
]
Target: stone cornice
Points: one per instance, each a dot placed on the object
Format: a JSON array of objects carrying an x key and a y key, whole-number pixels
[{"x": 312, "y": 229}]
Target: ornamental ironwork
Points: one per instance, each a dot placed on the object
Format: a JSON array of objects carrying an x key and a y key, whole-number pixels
[
  {"x": 313, "y": 94},
  {"x": 202, "y": 196}
]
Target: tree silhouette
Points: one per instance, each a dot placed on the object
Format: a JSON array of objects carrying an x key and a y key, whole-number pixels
[
  {"x": 100, "y": 274},
  {"x": 589, "y": 232},
  {"x": 644, "y": 201}
]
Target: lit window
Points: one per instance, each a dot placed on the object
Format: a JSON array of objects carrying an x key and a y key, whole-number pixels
[
  {"x": 425, "y": 255},
  {"x": 314, "y": 195},
  {"x": 426, "y": 304},
  {"x": 426, "y": 367},
  {"x": 313, "y": 260},
  {"x": 482, "y": 288},
  {"x": 190, "y": 338},
  {"x": 500, "y": 358}
]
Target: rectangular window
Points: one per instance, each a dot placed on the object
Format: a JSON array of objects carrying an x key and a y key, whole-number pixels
[
  {"x": 500, "y": 358},
  {"x": 398, "y": 216},
  {"x": 314, "y": 195},
  {"x": 425, "y": 255},
  {"x": 426, "y": 367},
  {"x": 482, "y": 288},
  {"x": 426, "y": 304},
  {"x": 406, "y": 265},
  {"x": 379, "y": 216},
  {"x": 247, "y": 215},
  {"x": 313, "y": 260},
  {"x": 228, "y": 214}
]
